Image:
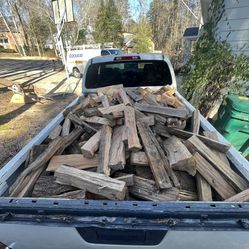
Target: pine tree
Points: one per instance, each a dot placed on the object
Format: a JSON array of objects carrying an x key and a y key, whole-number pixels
[
  {"x": 108, "y": 27},
  {"x": 142, "y": 36}
]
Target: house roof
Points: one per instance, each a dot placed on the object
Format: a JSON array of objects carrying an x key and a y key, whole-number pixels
[{"x": 191, "y": 32}]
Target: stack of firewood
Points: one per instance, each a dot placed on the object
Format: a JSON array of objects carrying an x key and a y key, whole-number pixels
[{"x": 131, "y": 144}]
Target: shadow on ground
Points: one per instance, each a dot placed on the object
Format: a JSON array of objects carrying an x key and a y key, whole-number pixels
[{"x": 13, "y": 114}]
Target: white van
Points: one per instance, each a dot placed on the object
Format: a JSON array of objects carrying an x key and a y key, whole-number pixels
[{"x": 77, "y": 59}]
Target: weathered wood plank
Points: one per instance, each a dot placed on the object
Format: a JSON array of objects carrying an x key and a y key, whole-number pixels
[
  {"x": 154, "y": 157},
  {"x": 55, "y": 132},
  {"x": 112, "y": 109},
  {"x": 91, "y": 146},
  {"x": 178, "y": 155},
  {"x": 139, "y": 158},
  {"x": 93, "y": 182},
  {"x": 213, "y": 135},
  {"x": 104, "y": 150},
  {"x": 117, "y": 151},
  {"x": 109, "y": 90},
  {"x": 185, "y": 195},
  {"x": 130, "y": 122},
  {"x": 75, "y": 119},
  {"x": 39, "y": 163},
  {"x": 149, "y": 120},
  {"x": 133, "y": 95},
  {"x": 167, "y": 111},
  {"x": 98, "y": 120},
  {"x": 66, "y": 127},
  {"x": 125, "y": 99},
  {"x": 213, "y": 177},
  {"x": 240, "y": 197},
  {"x": 195, "y": 121},
  {"x": 203, "y": 189},
  {"x": 238, "y": 183},
  {"x": 165, "y": 161},
  {"x": 30, "y": 180},
  {"x": 222, "y": 147},
  {"x": 146, "y": 190},
  {"x": 150, "y": 99},
  {"x": 75, "y": 160}
]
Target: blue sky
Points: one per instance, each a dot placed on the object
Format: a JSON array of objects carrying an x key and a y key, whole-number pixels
[{"x": 135, "y": 8}]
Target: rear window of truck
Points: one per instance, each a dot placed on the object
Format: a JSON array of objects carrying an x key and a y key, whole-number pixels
[{"x": 129, "y": 73}]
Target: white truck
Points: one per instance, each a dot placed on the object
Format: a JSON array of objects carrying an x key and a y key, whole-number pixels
[{"x": 44, "y": 223}]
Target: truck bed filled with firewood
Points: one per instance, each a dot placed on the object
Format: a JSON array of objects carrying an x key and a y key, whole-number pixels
[{"x": 131, "y": 144}]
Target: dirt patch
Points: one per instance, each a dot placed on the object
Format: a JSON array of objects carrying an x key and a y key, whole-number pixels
[{"x": 20, "y": 123}]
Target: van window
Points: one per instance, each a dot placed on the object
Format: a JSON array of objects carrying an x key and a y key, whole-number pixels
[{"x": 129, "y": 73}]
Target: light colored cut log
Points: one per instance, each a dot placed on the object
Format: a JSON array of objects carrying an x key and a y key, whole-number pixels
[
  {"x": 111, "y": 109},
  {"x": 167, "y": 111},
  {"x": 117, "y": 151},
  {"x": 56, "y": 132},
  {"x": 195, "y": 121},
  {"x": 66, "y": 127},
  {"x": 104, "y": 150},
  {"x": 213, "y": 135},
  {"x": 240, "y": 197},
  {"x": 91, "y": 146},
  {"x": 236, "y": 181},
  {"x": 222, "y": 147},
  {"x": 178, "y": 155},
  {"x": 155, "y": 161},
  {"x": 139, "y": 158},
  {"x": 213, "y": 177},
  {"x": 130, "y": 122},
  {"x": 125, "y": 99},
  {"x": 133, "y": 95},
  {"x": 93, "y": 182},
  {"x": 146, "y": 190},
  {"x": 75, "y": 160},
  {"x": 203, "y": 189},
  {"x": 98, "y": 120}
]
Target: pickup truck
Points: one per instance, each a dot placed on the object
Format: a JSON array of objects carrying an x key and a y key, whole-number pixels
[{"x": 62, "y": 223}]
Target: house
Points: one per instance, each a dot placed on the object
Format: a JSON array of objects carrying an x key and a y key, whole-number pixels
[
  {"x": 233, "y": 27},
  {"x": 190, "y": 36},
  {"x": 6, "y": 38}
]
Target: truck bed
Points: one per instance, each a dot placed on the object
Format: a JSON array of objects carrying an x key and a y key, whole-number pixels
[{"x": 119, "y": 224}]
